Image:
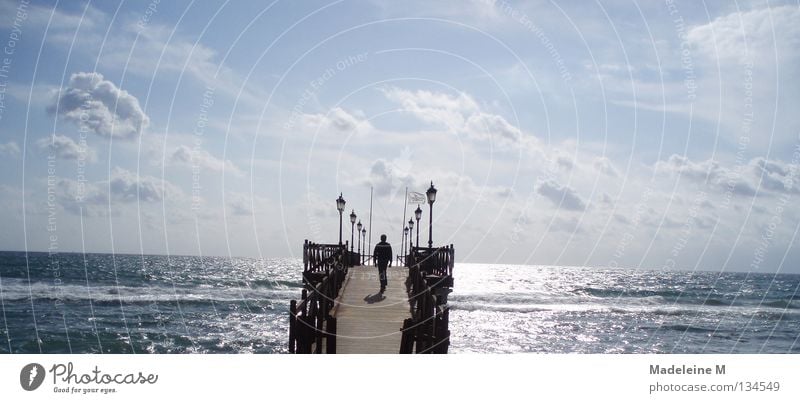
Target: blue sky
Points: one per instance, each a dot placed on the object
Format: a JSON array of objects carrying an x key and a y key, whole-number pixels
[{"x": 609, "y": 133}]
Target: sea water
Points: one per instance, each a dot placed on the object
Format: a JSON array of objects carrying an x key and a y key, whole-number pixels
[{"x": 75, "y": 303}]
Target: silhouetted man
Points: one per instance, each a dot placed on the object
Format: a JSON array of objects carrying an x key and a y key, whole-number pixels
[{"x": 382, "y": 258}]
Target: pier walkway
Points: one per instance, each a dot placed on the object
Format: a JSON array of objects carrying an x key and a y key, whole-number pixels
[
  {"x": 342, "y": 311},
  {"x": 368, "y": 322}
]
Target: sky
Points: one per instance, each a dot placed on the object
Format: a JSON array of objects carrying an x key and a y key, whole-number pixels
[{"x": 642, "y": 134}]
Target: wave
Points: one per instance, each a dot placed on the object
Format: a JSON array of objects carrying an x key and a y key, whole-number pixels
[
  {"x": 763, "y": 312},
  {"x": 687, "y": 328},
  {"x": 782, "y": 303},
  {"x": 472, "y": 307},
  {"x": 617, "y": 292},
  {"x": 715, "y": 302},
  {"x": 112, "y": 294}
]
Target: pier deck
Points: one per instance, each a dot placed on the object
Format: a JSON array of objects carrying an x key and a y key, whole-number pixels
[
  {"x": 342, "y": 311},
  {"x": 367, "y": 324}
]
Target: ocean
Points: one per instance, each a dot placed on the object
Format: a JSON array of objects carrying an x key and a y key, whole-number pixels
[{"x": 103, "y": 303}]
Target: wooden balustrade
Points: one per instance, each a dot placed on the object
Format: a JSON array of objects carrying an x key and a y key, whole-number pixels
[
  {"x": 310, "y": 324},
  {"x": 430, "y": 280}
]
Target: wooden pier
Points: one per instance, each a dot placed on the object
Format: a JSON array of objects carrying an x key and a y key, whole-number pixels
[{"x": 342, "y": 311}]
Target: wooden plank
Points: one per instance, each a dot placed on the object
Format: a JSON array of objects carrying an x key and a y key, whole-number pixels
[{"x": 367, "y": 324}]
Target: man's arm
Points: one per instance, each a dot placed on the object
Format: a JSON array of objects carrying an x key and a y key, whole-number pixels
[{"x": 391, "y": 256}]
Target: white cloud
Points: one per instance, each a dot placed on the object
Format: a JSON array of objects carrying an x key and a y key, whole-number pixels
[
  {"x": 98, "y": 104},
  {"x": 487, "y": 126},
  {"x": 756, "y": 32},
  {"x": 561, "y": 195},
  {"x": 122, "y": 187},
  {"x": 460, "y": 114},
  {"x": 776, "y": 175},
  {"x": 605, "y": 166},
  {"x": 188, "y": 157},
  {"x": 39, "y": 16},
  {"x": 769, "y": 175},
  {"x": 389, "y": 178},
  {"x": 160, "y": 47},
  {"x": 65, "y": 148},
  {"x": 708, "y": 171},
  {"x": 434, "y": 107},
  {"x": 339, "y": 120},
  {"x": 245, "y": 204},
  {"x": 10, "y": 149}
]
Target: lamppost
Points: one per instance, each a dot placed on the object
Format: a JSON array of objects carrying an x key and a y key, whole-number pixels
[
  {"x": 352, "y": 223},
  {"x": 340, "y": 206},
  {"x": 418, "y": 216},
  {"x": 410, "y": 230},
  {"x": 358, "y": 227},
  {"x": 431, "y": 193},
  {"x": 405, "y": 234},
  {"x": 364, "y": 240}
]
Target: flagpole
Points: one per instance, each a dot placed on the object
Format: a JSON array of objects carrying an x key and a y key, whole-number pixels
[
  {"x": 405, "y": 209},
  {"x": 370, "y": 224}
]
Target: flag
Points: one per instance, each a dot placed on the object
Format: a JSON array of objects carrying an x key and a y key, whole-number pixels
[{"x": 417, "y": 198}]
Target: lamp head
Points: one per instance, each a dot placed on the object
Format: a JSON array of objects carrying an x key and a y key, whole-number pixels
[
  {"x": 340, "y": 203},
  {"x": 431, "y": 193}
]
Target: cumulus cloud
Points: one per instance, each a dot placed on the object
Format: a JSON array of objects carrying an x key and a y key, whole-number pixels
[
  {"x": 460, "y": 114},
  {"x": 185, "y": 156},
  {"x": 776, "y": 175},
  {"x": 10, "y": 149},
  {"x": 122, "y": 187},
  {"x": 435, "y": 107},
  {"x": 65, "y": 148},
  {"x": 561, "y": 195},
  {"x": 125, "y": 186},
  {"x": 604, "y": 166},
  {"x": 770, "y": 175},
  {"x": 753, "y": 31},
  {"x": 487, "y": 125},
  {"x": 389, "y": 178},
  {"x": 90, "y": 100},
  {"x": 338, "y": 119},
  {"x": 708, "y": 171},
  {"x": 568, "y": 225},
  {"x": 245, "y": 204}
]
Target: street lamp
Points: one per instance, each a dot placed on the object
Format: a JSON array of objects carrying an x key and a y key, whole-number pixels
[
  {"x": 358, "y": 227},
  {"x": 405, "y": 234},
  {"x": 364, "y": 240},
  {"x": 431, "y": 193},
  {"x": 410, "y": 229},
  {"x": 418, "y": 216},
  {"x": 340, "y": 206},
  {"x": 352, "y": 223}
]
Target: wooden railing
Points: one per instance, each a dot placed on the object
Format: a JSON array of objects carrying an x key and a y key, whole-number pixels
[
  {"x": 310, "y": 323},
  {"x": 430, "y": 280}
]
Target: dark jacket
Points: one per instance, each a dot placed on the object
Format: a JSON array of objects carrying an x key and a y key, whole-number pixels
[{"x": 383, "y": 253}]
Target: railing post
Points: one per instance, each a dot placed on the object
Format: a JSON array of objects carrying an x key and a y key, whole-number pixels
[
  {"x": 292, "y": 325},
  {"x": 318, "y": 317},
  {"x": 331, "y": 337}
]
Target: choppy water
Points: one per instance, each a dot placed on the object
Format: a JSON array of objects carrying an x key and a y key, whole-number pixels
[{"x": 179, "y": 304}]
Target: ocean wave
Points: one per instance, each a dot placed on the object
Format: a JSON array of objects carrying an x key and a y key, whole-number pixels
[
  {"x": 764, "y": 312},
  {"x": 527, "y": 308},
  {"x": 112, "y": 294},
  {"x": 715, "y": 302},
  {"x": 782, "y": 303},
  {"x": 687, "y": 328}
]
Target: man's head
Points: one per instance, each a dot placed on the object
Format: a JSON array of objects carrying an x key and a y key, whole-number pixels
[{"x": 383, "y": 238}]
